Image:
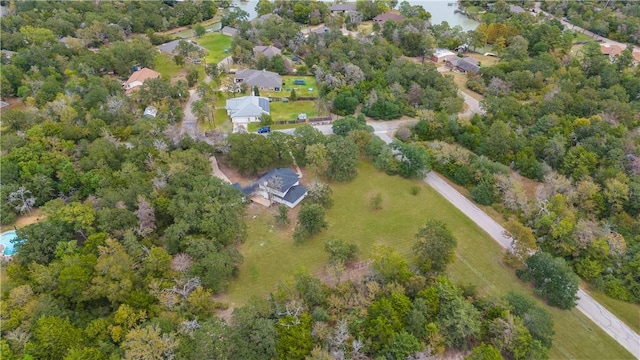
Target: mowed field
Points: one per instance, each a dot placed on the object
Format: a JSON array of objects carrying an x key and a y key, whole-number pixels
[
  {"x": 215, "y": 43},
  {"x": 270, "y": 256}
]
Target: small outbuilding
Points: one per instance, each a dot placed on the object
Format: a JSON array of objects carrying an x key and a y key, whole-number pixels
[{"x": 442, "y": 55}]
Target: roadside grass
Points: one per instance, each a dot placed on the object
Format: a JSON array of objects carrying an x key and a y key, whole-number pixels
[
  {"x": 215, "y": 43},
  {"x": 581, "y": 37},
  {"x": 289, "y": 111},
  {"x": 165, "y": 65},
  {"x": 461, "y": 81},
  {"x": 271, "y": 257}
]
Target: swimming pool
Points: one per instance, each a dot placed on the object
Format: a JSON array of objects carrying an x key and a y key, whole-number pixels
[{"x": 9, "y": 248}]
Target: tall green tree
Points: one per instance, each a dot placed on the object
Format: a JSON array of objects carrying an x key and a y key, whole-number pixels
[
  {"x": 554, "y": 280},
  {"x": 435, "y": 248}
]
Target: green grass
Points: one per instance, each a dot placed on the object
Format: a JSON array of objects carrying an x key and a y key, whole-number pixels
[
  {"x": 215, "y": 43},
  {"x": 290, "y": 111},
  {"x": 270, "y": 255},
  {"x": 582, "y": 37},
  {"x": 165, "y": 65},
  {"x": 301, "y": 90}
]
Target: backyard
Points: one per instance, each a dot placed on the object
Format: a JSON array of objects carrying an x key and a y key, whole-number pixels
[
  {"x": 290, "y": 110},
  {"x": 308, "y": 89},
  {"x": 396, "y": 224},
  {"x": 215, "y": 43}
]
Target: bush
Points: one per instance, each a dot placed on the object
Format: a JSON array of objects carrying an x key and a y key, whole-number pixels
[
  {"x": 415, "y": 190},
  {"x": 376, "y": 201}
]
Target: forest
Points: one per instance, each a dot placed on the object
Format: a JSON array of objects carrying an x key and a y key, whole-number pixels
[{"x": 135, "y": 240}]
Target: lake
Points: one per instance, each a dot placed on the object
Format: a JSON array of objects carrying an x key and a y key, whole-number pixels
[{"x": 440, "y": 11}]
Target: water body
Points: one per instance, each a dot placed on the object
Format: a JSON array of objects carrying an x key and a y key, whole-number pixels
[{"x": 440, "y": 11}]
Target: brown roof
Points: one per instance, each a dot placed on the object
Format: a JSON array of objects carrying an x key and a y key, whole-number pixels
[
  {"x": 382, "y": 18},
  {"x": 636, "y": 55},
  {"x": 614, "y": 50},
  {"x": 142, "y": 75}
]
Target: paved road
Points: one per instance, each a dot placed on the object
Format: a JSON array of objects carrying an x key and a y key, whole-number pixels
[
  {"x": 189, "y": 123},
  {"x": 613, "y": 326},
  {"x": 473, "y": 105}
]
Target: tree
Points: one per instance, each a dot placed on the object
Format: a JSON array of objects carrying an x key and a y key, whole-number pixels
[
  {"x": 340, "y": 252},
  {"x": 294, "y": 337},
  {"x": 22, "y": 200},
  {"x": 192, "y": 77},
  {"x": 523, "y": 243},
  {"x": 389, "y": 266},
  {"x": 250, "y": 153},
  {"x": 264, "y": 7},
  {"x": 256, "y": 91},
  {"x": 148, "y": 343},
  {"x": 553, "y": 278},
  {"x": 199, "y": 30},
  {"x": 282, "y": 217},
  {"x": 115, "y": 277},
  {"x": 414, "y": 159},
  {"x": 435, "y": 248},
  {"x": 316, "y": 158},
  {"x": 310, "y": 222},
  {"x": 320, "y": 193},
  {"x": 265, "y": 119},
  {"x": 342, "y": 154},
  {"x": 293, "y": 96},
  {"x": 484, "y": 352},
  {"x": 347, "y": 124},
  {"x": 53, "y": 337},
  {"x": 146, "y": 217}
]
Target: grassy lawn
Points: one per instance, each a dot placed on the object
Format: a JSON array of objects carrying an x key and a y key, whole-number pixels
[
  {"x": 165, "y": 65},
  {"x": 461, "y": 82},
  {"x": 270, "y": 255},
  {"x": 301, "y": 90},
  {"x": 289, "y": 111},
  {"x": 215, "y": 43}
]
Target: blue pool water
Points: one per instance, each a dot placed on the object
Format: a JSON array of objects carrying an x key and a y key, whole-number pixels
[{"x": 9, "y": 248}]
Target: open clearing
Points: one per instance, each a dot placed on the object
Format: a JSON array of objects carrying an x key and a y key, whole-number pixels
[
  {"x": 270, "y": 256},
  {"x": 290, "y": 111},
  {"x": 215, "y": 43}
]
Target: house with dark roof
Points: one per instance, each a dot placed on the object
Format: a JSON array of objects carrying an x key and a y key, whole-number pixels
[
  {"x": 342, "y": 8},
  {"x": 278, "y": 185},
  {"x": 247, "y": 109},
  {"x": 467, "y": 65},
  {"x": 229, "y": 31},
  {"x": 264, "y": 80},
  {"x": 268, "y": 51},
  {"x": 383, "y": 18}
]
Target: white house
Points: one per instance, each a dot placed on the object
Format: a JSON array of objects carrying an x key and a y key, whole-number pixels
[
  {"x": 442, "y": 55},
  {"x": 247, "y": 109}
]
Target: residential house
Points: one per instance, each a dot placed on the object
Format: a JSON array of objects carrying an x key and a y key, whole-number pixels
[
  {"x": 278, "y": 185},
  {"x": 268, "y": 51},
  {"x": 247, "y": 109},
  {"x": 170, "y": 47},
  {"x": 138, "y": 78},
  {"x": 229, "y": 31},
  {"x": 516, "y": 9},
  {"x": 467, "y": 65},
  {"x": 636, "y": 57},
  {"x": 442, "y": 55},
  {"x": 611, "y": 51},
  {"x": 342, "y": 8},
  {"x": 264, "y": 80},
  {"x": 383, "y": 18}
]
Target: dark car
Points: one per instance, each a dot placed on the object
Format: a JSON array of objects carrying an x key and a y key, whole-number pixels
[{"x": 264, "y": 130}]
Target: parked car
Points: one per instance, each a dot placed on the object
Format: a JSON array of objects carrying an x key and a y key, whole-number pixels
[{"x": 264, "y": 130}]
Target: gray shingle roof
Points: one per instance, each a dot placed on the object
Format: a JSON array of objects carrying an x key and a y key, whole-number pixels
[
  {"x": 247, "y": 106},
  {"x": 268, "y": 51},
  {"x": 295, "y": 193},
  {"x": 343, "y": 7},
  {"x": 170, "y": 47},
  {"x": 289, "y": 178},
  {"x": 260, "y": 78}
]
